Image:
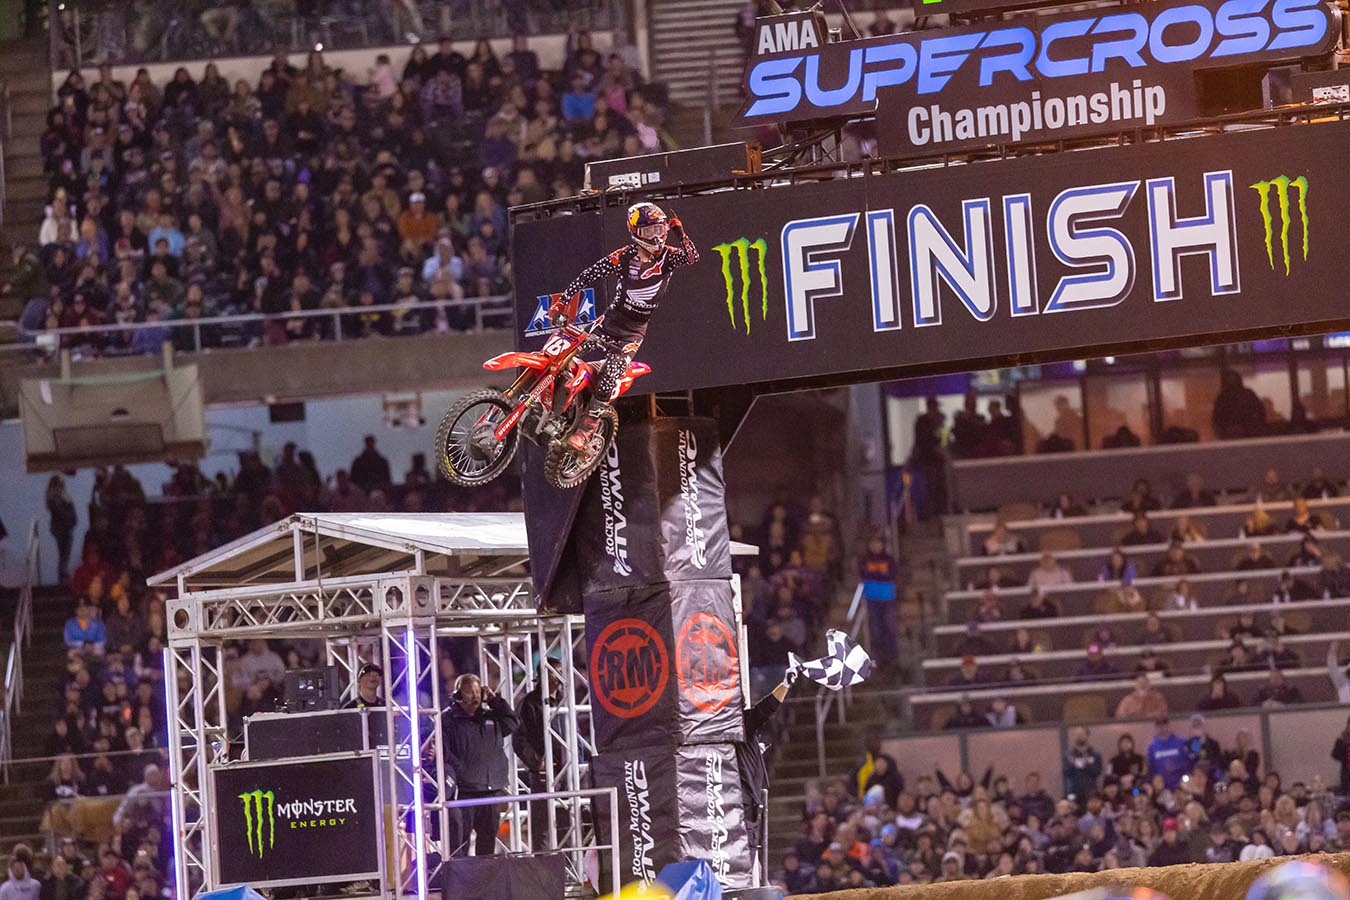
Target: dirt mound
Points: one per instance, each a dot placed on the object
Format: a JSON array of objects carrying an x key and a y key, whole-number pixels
[{"x": 1226, "y": 881}]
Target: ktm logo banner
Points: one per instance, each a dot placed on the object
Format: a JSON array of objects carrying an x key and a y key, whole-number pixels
[
  {"x": 1095, "y": 71},
  {"x": 975, "y": 266}
]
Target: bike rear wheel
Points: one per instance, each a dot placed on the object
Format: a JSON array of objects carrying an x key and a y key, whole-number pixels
[
  {"x": 565, "y": 468},
  {"x": 467, "y": 450}
]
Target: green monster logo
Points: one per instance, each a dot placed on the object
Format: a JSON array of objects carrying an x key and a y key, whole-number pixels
[
  {"x": 740, "y": 249},
  {"x": 1282, "y": 185},
  {"x": 254, "y": 802}
]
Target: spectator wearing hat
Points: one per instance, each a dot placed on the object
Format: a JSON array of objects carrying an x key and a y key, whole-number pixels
[
  {"x": 369, "y": 684},
  {"x": 1095, "y": 666},
  {"x": 415, "y": 223},
  {"x": 967, "y": 674},
  {"x": 1171, "y": 851}
]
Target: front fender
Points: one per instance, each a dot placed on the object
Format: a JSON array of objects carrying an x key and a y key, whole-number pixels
[{"x": 516, "y": 359}]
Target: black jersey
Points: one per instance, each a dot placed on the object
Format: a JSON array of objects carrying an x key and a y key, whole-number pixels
[{"x": 639, "y": 286}]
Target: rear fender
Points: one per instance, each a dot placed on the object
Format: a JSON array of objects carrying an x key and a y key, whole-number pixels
[
  {"x": 516, "y": 359},
  {"x": 635, "y": 371}
]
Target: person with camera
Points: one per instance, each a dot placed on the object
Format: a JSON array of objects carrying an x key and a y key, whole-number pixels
[{"x": 475, "y": 728}]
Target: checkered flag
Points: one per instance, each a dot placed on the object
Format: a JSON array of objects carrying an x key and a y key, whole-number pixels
[{"x": 845, "y": 665}]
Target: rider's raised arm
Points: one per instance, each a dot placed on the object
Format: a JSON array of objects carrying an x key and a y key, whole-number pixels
[
  {"x": 604, "y": 267},
  {"x": 685, "y": 254}
]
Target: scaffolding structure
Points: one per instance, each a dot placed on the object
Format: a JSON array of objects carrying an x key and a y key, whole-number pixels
[{"x": 386, "y": 588}]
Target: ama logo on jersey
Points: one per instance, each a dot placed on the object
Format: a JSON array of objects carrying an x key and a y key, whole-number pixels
[{"x": 539, "y": 323}]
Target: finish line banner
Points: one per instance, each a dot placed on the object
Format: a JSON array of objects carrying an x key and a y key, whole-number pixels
[
  {"x": 975, "y": 266},
  {"x": 1097, "y": 71},
  {"x": 296, "y": 821}
]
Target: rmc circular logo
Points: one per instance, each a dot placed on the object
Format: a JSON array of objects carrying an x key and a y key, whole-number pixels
[
  {"x": 706, "y": 662},
  {"x": 629, "y": 667}
]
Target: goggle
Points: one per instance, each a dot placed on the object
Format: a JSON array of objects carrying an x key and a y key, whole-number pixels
[{"x": 653, "y": 232}]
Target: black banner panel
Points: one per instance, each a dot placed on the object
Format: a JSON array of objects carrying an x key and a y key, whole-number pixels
[
  {"x": 974, "y": 266},
  {"x": 504, "y": 877},
  {"x": 655, "y": 510},
  {"x": 1097, "y": 71},
  {"x": 676, "y": 803},
  {"x": 296, "y": 821},
  {"x": 663, "y": 664}
]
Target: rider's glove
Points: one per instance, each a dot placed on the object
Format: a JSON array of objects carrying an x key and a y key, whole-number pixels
[
  {"x": 557, "y": 315},
  {"x": 675, "y": 229}
]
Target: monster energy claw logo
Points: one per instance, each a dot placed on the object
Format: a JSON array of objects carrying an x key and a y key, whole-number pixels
[
  {"x": 1282, "y": 185},
  {"x": 740, "y": 249},
  {"x": 254, "y": 802}
]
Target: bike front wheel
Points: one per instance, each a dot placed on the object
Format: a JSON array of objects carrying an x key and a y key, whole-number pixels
[{"x": 468, "y": 452}]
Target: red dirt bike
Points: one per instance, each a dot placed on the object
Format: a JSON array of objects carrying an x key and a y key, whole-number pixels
[{"x": 480, "y": 434}]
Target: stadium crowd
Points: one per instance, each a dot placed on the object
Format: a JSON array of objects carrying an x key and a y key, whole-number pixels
[
  {"x": 1255, "y": 637},
  {"x": 108, "y": 771},
  {"x": 1184, "y": 798},
  {"x": 314, "y": 188}
]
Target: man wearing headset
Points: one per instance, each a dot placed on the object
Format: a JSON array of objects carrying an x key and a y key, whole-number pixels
[{"x": 474, "y": 731}]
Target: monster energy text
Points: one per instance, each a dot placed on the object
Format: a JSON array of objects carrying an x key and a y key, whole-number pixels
[
  {"x": 1282, "y": 184},
  {"x": 261, "y": 809},
  {"x": 740, "y": 249}
]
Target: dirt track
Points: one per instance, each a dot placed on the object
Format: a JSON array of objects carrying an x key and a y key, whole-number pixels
[{"x": 1228, "y": 881}]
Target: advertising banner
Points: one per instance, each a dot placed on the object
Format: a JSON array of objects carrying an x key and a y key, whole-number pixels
[
  {"x": 648, "y": 809},
  {"x": 706, "y": 661},
  {"x": 297, "y": 821},
  {"x": 676, "y": 803},
  {"x": 629, "y": 667},
  {"x": 712, "y": 812},
  {"x": 1092, "y": 71},
  {"x": 655, "y": 510},
  {"x": 1180, "y": 242},
  {"x": 664, "y": 664}
]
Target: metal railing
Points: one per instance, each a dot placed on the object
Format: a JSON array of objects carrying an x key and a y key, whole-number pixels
[
  {"x": 519, "y": 843},
  {"x": 87, "y": 33},
  {"x": 23, "y": 635},
  {"x": 828, "y": 701},
  {"x": 497, "y": 309}
]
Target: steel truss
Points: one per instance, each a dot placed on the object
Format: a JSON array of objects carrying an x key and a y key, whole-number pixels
[{"x": 396, "y": 618}]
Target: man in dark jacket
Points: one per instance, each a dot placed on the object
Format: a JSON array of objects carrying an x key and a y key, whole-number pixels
[
  {"x": 750, "y": 757},
  {"x": 475, "y": 728}
]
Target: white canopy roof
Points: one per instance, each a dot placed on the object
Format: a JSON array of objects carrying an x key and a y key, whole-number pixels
[{"x": 332, "y": 545}]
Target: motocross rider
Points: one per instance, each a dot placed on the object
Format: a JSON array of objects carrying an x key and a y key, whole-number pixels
[{"x": 658, "y": 246}]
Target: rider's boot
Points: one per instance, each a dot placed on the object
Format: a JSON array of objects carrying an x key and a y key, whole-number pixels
[{"x": 580, "y": 439}]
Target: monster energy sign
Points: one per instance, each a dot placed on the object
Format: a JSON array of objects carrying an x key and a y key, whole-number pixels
[
  {"x": 1281, "y": 185},
  {"x": 1069, "y": 255},
  {"x": 738, "y": 253},
  {"x": 260, "y": 808},
  {"x": 307, "y": 820}
]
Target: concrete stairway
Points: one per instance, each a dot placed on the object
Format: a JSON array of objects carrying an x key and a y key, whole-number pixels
[
  {"x": 24, "y": 68},
  {"x": 24, "y": 797},
  {"x": 924, "y": 564},
  {"x": 687, "y": 36}
]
